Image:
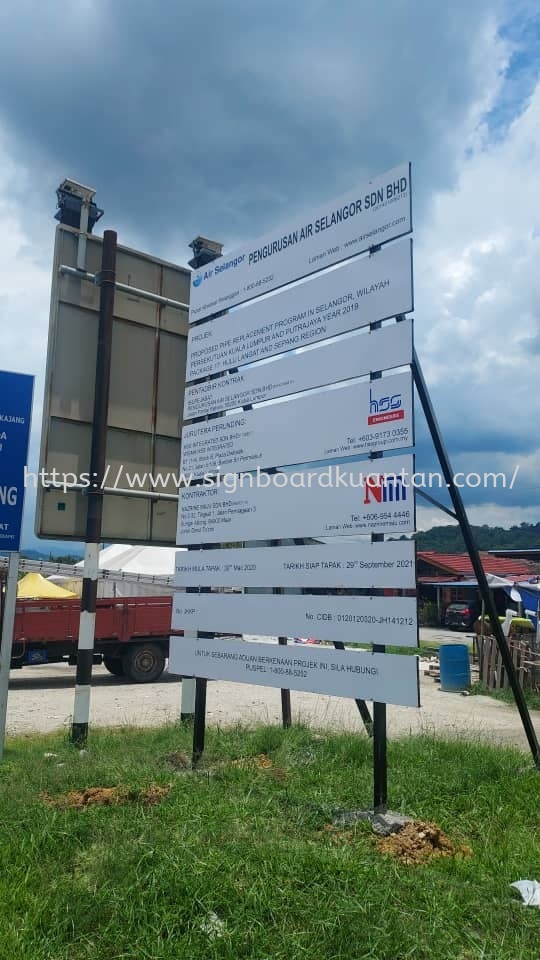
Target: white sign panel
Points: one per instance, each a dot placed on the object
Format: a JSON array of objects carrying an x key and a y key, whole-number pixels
[
  {"x": 370, "y": 289},
  {"x": 354, "y": 419},
  {"x": 373, "y": 213},
  {"x": 357, "y": 675},
  {"x": 347, "y": 565},
  {"x": 383, "y": 620},
  {"x": 374, "y": 497},
  {"x": 383, "y": 349}
]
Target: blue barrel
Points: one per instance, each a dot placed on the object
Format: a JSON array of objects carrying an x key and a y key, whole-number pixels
[{"x": 454, "y": 666}]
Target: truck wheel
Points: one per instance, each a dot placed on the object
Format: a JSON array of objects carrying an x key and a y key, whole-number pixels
[
  {"x": 144, "y": 662},
  {"x": 114, "y": 665}
]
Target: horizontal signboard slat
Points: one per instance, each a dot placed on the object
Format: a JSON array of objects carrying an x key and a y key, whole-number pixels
[
  {"x": 374, "y": 212},
  {"x": 370, "y": 289},
  {"x": 355, "y": 419},
  {"x": 346, "y": 565},
  {"x": 301, "y": 503},
  {"x": 355, "y": 356},
  {"x": 382, "y": 620},
  {"x": 384, "y": 678}
]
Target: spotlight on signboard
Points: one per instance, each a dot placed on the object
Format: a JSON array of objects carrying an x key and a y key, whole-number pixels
[
  {"x": 204, "y": 251},
  {"x": 71, "y": 196}
]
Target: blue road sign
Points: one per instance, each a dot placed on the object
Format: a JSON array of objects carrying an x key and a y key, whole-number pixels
[{"x": 16, "y": 390}]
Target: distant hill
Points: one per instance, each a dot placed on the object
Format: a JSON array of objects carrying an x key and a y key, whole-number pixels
[
  {"x": 445, "y": 539},
  {"x": 34, "y": 555},
  {"x": 448, "y": 539},
  {"x": 70, "y": 558}
]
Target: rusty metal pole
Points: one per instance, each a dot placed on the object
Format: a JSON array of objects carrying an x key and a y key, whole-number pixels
[
  {"x": 85, "y": 650},
  {"x": 476, "y": 562}
]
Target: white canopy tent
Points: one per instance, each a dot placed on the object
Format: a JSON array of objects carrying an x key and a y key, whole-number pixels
[
  {"x": 126, "y": 570},
  {"x": 152, "y": 561},
  {"x": 151, "y": 567}
]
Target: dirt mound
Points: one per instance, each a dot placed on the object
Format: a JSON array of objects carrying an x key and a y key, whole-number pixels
[
  {"x": 419, "y": 842},
  {"x": 106, "y": 797},
  {"x": 260, "y": 762},
  {"x": 181, "y": 761},
  {"x": 178, "y": 760}
]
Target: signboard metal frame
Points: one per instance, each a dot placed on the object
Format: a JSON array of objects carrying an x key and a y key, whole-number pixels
[{"x": 149, "y": 348}]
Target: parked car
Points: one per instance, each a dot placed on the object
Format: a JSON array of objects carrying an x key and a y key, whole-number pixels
[{"x": 460, "y": 616}]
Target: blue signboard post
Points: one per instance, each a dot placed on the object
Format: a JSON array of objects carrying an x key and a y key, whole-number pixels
[{"x": 16, "y": 391}]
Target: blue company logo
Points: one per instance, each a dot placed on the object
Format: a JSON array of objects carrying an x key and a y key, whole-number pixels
[
  {"x": 385, "y": 408},
  {"x": 197, "y": 280}
]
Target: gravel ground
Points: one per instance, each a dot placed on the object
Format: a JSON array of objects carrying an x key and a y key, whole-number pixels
[{"x": 41, "y": 700}]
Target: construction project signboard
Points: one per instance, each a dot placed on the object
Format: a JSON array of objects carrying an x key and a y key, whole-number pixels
[{"x": 304, "y": 430}]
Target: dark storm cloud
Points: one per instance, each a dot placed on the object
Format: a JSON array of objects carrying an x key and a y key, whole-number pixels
[
  {"x": 227, "y": 119},
  {"x": 477, "y": 437},
  {"x": 490, "y": 472},
  {"x": 220, "y": 118}
]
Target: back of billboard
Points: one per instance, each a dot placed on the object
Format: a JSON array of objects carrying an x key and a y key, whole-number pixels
[{"x": 145, "y": 404}]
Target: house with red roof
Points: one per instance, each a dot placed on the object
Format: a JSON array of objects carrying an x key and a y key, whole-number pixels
[
  {"x": 444, "y": 578},
  {"x": 458, "y": 566}
]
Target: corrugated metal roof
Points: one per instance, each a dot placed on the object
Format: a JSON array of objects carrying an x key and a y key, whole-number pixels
[
  {"x": 528, "y": 553},
  {"x": 460, "y": 565}
]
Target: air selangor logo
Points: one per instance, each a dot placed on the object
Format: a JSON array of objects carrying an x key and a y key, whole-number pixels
[
  {"x": 219, "y": 266},
  {"x": 384, "y": 409},
  {"x": 199, "y": 277},
  {"x": 384, "y": 488}
]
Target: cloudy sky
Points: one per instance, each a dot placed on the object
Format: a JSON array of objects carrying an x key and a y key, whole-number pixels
[{"x": 226, "y": 119}]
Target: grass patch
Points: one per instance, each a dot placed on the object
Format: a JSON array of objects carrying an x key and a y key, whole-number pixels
[
  {"x": 426, "y": 648},
  {"x": 532, "y": 699},
  {"x": 239, "y": 860}
]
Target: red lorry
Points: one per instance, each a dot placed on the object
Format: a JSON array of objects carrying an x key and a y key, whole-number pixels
[{"x": 132, "y": 634}]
